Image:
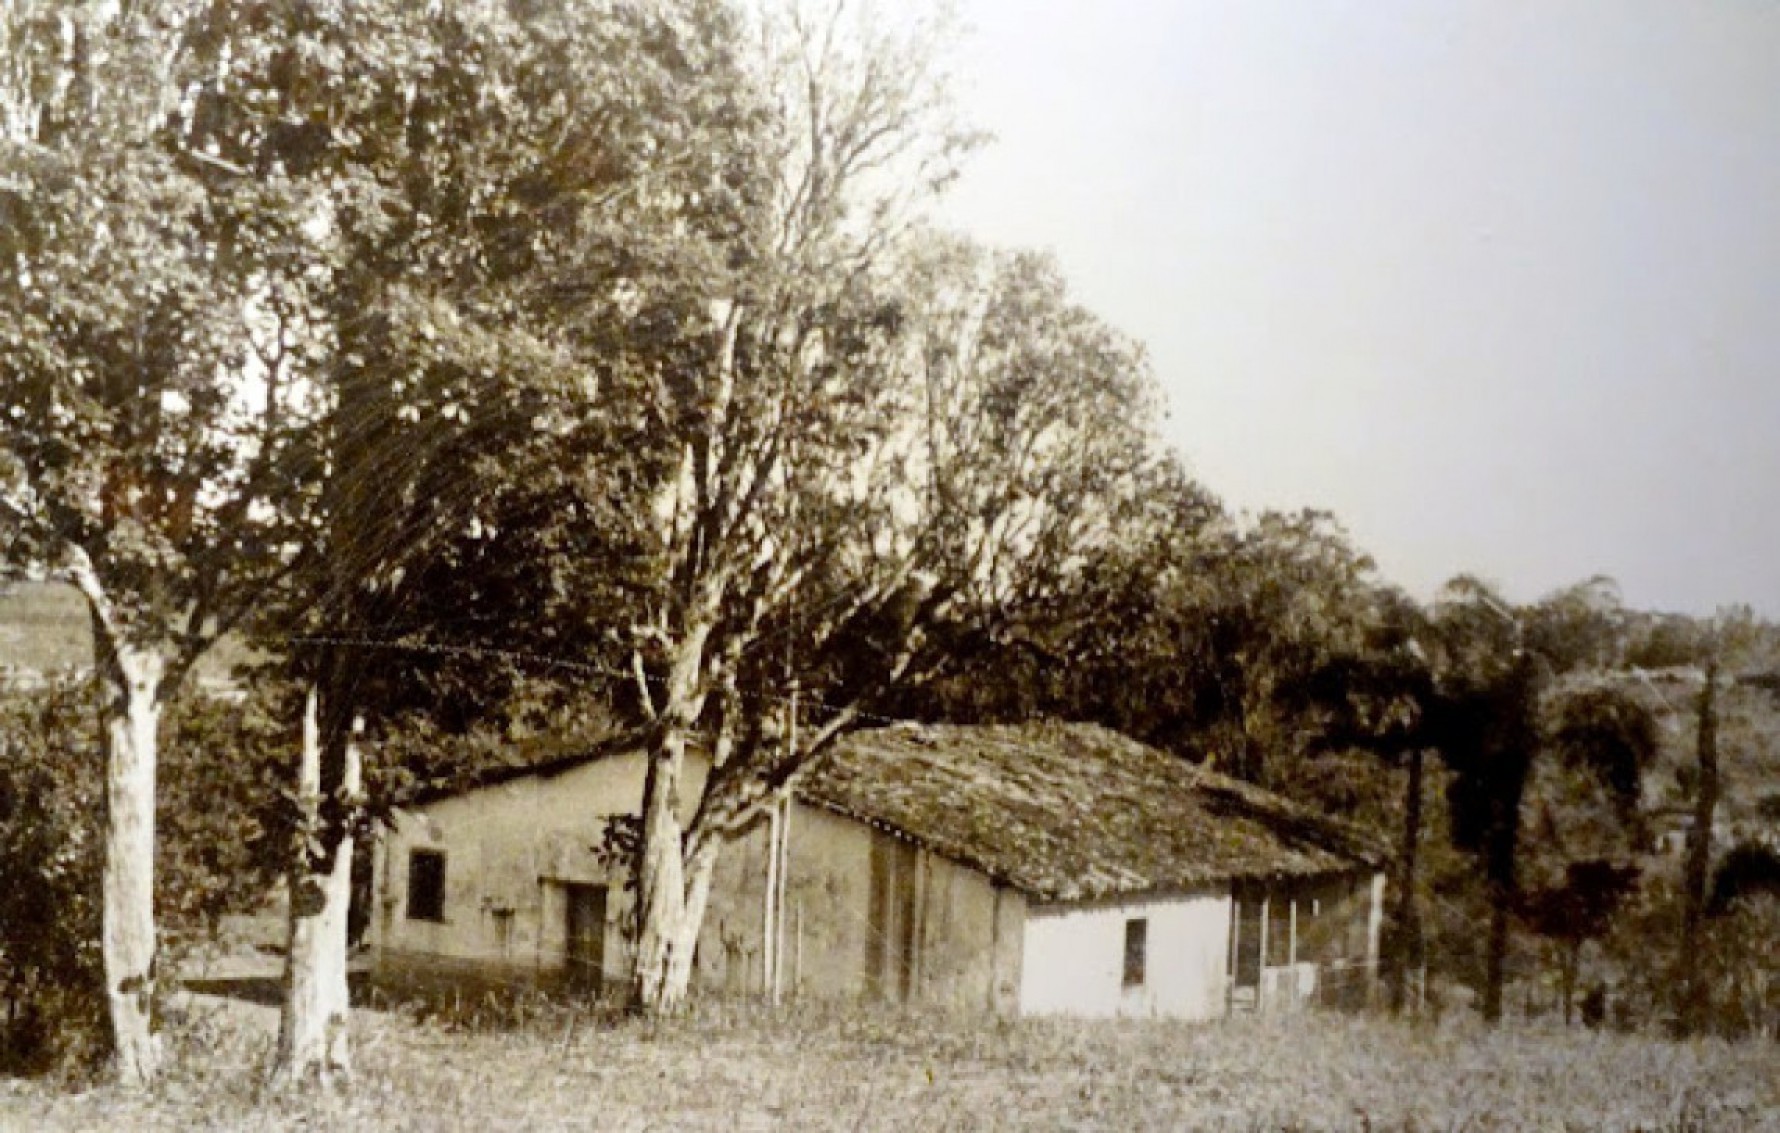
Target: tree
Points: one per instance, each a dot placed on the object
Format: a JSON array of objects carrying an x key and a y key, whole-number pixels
[
  {"x": 495, "y": 189},
  {"x": 214, "y": 854},
  {"x": 1495, "y": 733},
  {"x": 1579, "y": 909},
  {"x": 1695, "y": 1004},
  {"x": 1583, "y": 626},
  {"x": 142, "y": 447},
  {"x": 1388, "y": 699},
  {"x": 974, "y": 443},
  {"x": 1491, "y": 738},
  {"x": 1586, "y": 790},
  {"x": 762, "y": 406}
]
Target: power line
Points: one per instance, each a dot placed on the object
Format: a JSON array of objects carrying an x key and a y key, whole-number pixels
[{"x": 527, "y": 658}]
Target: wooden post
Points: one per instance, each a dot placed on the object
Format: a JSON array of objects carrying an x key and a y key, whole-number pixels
[
  {"x": 1374, "y": 930},
  {"x": 1292, "y": 950},
  {"x": 1261, "y": 968},
  {"x": 769, "y": 912},
  {"x": 780, "y": 871},
  {"x": 1235, "y": 971}
]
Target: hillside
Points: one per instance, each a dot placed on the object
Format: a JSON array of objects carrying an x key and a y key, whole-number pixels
[
  {"x": 44, "y": 628},
  {"x": 1749, "y": 736}
]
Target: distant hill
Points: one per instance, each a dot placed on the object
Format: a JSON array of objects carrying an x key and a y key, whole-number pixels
[
  {"x": 44, "y": 628},
  {"x": 1749, "y": 734}
]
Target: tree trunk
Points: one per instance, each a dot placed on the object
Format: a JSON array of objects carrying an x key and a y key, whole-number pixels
[
  {"x": 1503, "y": 888},
  {"x": 1570, "y": 957},
  {"x": 673, "y": 890},
  {"x": 700, "y": 866},
  {"x": 1407, "y": 931},
  {"x": 661, "y": 887},
  {"x": 312, "y": 1031},
  {"x": 1496, "y": 959},
  {"x": 1515, "y": 748},
  {"x": 131, "y": 717},
  {"x": 1694, "y": 1002}
]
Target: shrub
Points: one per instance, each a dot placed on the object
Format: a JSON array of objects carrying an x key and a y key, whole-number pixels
[
  {"x": 216, "y": 776},
  {"x": 51, "y": 803}
]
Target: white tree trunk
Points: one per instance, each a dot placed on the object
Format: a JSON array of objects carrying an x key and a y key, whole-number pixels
[
  {"x": 132, "y": 716},
  {"x": 661, "y": 886},
  {"x": 312, "y": 1028},
  {"x": 683, "y": 948}
]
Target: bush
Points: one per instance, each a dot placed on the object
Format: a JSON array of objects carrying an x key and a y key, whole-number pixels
[
  {"x": 218, "y": 764},
  {"x": 51, "y": 805}
]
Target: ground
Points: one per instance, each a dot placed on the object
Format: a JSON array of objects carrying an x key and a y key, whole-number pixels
[{"x": 540, "y": 1066}]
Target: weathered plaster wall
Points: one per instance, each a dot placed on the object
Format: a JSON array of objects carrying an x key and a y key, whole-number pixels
[
  {"x": 509, "y": 851},
  {"x": 918, "y": 929},
  {"x": 1075, "y": 958},
  {"x": 866, "y": 915}
]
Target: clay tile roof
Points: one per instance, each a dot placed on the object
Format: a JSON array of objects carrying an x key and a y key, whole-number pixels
[{"x": 1069, "y": 812}]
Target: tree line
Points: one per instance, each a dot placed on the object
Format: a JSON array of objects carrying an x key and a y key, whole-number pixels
[{"x": 492, "y": 365}]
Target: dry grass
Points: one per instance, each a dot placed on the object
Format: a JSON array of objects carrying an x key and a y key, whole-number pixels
[{"x": 738, "y": 1068}]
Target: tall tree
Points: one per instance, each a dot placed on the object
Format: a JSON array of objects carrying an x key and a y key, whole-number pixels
[
  {"x": 1695, "y": 1002},
  {"x": 972, "y": 447},
  {"x": 142, "y": 442},
  {"x": 500, "y": 187},
  {"x": 766, "y": 405},
  {"x": 1388, "y": 698},
  {"x": 1588, "y": 831},
  {"x": 1492, "y": 738},
  {"x": 1496, "y": 733}
]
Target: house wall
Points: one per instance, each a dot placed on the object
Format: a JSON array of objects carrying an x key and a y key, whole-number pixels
[
  {"x": 510, "y": 850},
  {"x": 867, "y": 915},
  {"x": 1320, "y": 948},
  {"x": 1075, "y": 958}
]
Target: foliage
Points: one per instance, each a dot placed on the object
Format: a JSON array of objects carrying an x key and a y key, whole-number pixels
[
  {"x": 137, "y": 447},
  {"x": 1738, "y": 965},
  {"x": 1583, "y": 626},
  {"x": 220, "y": 850},
  {"x": 215, "y": 858},
  {"x": 1609, "y": 733},
  {"x": 1190, "y": 632},
  {"x": 50, "y": 791},
  {"x": 1746, "y": 873}
]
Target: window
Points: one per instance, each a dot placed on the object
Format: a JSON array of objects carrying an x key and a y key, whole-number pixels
[
  {"x": 1137, "y": 940},
  {"x": 426, "y": 885}
]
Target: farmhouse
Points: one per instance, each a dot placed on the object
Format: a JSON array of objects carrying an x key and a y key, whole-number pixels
[{"x": 1036, "y": 869}]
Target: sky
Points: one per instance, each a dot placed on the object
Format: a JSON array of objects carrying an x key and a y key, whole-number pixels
[{"x": 1496, "y": 282}]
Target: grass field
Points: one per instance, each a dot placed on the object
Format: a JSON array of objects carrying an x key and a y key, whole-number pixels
[
  {"x": 44, "y": 627},
  {"x": 740, "y": 1068}
]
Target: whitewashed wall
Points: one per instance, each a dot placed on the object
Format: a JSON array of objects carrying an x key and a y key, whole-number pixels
[
  {"x": 507, "y": 850},
  {"x": 1074, "y": 960}
]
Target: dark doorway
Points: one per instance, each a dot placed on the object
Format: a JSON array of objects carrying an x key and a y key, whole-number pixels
[
  {"x": 586, "y": 956},
  {"x": 893, "y": 941}
]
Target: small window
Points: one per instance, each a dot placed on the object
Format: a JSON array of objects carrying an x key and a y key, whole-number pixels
[
  {"x": 1137, "y": 941},
  {"x": 426, "y": 885}
]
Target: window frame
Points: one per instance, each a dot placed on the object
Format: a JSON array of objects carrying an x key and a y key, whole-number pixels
[
  {"x": 1135, "y": 970},
  {"x": 435, "y": 914}
]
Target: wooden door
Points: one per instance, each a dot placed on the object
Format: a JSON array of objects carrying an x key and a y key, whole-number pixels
[{"x": 586, "y": 953}]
